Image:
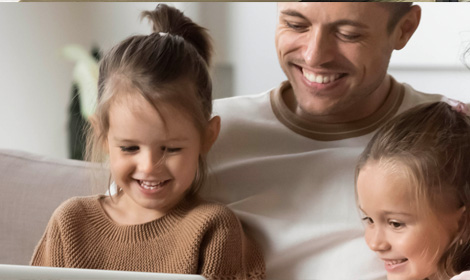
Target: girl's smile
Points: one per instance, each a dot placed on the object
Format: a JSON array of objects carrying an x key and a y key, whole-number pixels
[
  {"x": 150, "y": 187},
  {"x": 392, "y": 265},
  {"x": 409, "y": 242},
  {"x": 153, "y": 157}
]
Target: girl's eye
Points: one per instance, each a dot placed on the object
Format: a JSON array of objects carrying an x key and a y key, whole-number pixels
[
  {"x": 170, "y": 150},
  {"x": 396, "y": 225},
  {"x": 368, "y": 220},
  {"x": 129, "y": 149}
]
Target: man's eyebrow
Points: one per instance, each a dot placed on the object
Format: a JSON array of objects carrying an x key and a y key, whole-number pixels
[
  {"x": 349, "y": 22},
  {"x": 293, "y": 13}
]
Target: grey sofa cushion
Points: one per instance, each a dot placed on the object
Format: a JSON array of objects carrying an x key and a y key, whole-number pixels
[{"x": 31, "y": 187}]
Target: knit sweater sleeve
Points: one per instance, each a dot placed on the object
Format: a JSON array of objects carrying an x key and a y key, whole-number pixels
[
  {"x": 49, "y": 251},
  {"x": 226, "y": 253}
]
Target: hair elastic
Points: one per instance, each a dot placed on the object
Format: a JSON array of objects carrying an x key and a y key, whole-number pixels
[
  {"x": 458, "y": 106},
  {"x": 163, "y": 33}
]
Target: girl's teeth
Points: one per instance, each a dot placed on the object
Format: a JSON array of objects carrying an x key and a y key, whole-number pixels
[
  {"x": 396, "y": 261},
  {"x": 150, "y": 185}
]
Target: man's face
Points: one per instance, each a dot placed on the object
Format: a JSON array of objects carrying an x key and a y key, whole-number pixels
[{"x": 336, "y": 56}]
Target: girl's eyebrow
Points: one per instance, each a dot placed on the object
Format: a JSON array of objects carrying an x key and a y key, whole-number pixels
[
  {"x": 389, "y": 212},
  {"x": 397, "y": 213},
  {"x": 178, "y": 139},
  {"x": 175, "y": 139},
  {"x": 117, "y": 139}
]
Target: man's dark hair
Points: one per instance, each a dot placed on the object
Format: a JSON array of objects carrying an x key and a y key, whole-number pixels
[{"x": 397, "y": 11}]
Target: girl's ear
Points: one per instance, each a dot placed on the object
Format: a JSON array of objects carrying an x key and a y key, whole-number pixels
[
  {"x": 97, "y": 131},
  {"x": 461, "y": 216},
  {"x": 407, "y": 26},
  {"x": 94, "y": 123},
  {"x": 211, "y": 134}
]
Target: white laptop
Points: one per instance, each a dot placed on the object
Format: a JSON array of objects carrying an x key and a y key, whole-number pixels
[{"x": 25, "y": 272}]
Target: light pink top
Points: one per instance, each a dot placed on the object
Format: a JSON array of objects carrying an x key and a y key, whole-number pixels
[{"x": 462, "y": 276}]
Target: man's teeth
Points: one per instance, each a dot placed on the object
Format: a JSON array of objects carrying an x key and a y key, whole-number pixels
[
  {"x": 320, "y": 79},
  {"x": 396, "y": 261},
  {"x": 151, "y": 185}
]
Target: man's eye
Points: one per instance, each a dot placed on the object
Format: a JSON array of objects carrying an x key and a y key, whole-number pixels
[
  {"x": 348, "y": 37},
  {"x": 368, "y": 220},
  {"x": 129, "y": 149},
  {"x": 295, "y": 26}
]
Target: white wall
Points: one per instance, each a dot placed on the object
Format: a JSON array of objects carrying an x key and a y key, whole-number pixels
[
  {"x": 35, "y": 80},
  {"x": 432, "y": 60},
  {"x": 251, "y": 48}
]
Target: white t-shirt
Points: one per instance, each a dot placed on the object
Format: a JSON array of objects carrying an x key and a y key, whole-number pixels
[{"x": 291, "y": 183}]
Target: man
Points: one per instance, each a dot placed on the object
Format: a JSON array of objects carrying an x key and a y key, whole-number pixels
[{"x": 285, "y": 159}]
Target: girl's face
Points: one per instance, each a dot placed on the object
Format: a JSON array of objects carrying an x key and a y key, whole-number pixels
[
  {"x": 409, "y": 244},
  {"x": 137, "y": 139}
]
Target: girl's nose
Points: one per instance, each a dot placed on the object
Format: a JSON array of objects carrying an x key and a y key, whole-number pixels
[
  {"x": 150, "y": 161},
  {"x": 377, "y": 240}
]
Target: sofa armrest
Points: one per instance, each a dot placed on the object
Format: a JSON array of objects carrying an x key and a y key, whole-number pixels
[{"x": 31, "y": 187}]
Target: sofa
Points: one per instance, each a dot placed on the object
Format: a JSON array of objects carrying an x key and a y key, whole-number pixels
[{"x": 32, "y": 186}]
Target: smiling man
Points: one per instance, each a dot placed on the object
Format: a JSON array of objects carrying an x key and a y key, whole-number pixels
[{"x": 285, "y": 158}]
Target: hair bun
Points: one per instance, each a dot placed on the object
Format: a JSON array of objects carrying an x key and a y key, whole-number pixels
[{"x": 171, "y": 21}]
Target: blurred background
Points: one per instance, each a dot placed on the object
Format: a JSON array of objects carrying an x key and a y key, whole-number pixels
[{"x": 36, "y": 79}]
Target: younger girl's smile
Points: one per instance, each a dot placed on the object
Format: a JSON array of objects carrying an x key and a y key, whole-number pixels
[
  {"x": 394, "y": 264},
  {"x": 408, "y": 243}
]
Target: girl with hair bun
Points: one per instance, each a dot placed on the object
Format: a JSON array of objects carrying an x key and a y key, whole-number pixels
[
  {"x": 153, "y": 125},
  {"x": 413, "y": 189}
]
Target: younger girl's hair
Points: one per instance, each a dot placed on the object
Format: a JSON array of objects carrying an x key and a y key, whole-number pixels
[
  {"x": 432, "y": 142},
  {"x": 169, "y": 68}
]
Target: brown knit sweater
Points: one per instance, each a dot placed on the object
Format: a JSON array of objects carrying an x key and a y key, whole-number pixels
[{"x": 196, "y": 237}]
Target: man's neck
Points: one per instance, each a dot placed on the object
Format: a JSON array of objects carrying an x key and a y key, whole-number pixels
[{"x": 360, "y": 109}]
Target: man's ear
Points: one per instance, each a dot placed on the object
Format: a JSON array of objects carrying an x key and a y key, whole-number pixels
[
  {"x": 211, "y": 134},
  {"x": 406, "y": 27}
]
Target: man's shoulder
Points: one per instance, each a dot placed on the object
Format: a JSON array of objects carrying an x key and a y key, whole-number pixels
[
  {"x": 236, "y": 104},
  {"x": 413, "y": 97}
]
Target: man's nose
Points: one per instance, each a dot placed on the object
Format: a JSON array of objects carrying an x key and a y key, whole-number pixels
[{"x": 319, "y": 47}]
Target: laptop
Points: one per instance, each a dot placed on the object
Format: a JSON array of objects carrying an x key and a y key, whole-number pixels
[{"x": 26, "y": 272}]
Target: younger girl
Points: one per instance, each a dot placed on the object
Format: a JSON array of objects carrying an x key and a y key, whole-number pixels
[
  {"x": 153, "y": 121},
  {"x": 413, "y": 187}
]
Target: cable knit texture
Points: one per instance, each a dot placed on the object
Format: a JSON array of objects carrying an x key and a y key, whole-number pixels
[{"x": 196, "y": 237}]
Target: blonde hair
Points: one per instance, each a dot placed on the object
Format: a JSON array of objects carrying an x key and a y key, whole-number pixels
[
  {"x": 432, "y": 142},
  {"x": 169, "y": 67}
]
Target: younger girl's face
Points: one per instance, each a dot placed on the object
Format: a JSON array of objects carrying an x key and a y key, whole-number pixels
[
  {"x": 409, "y": 244},
  {"x": 137, "y": 139}
]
